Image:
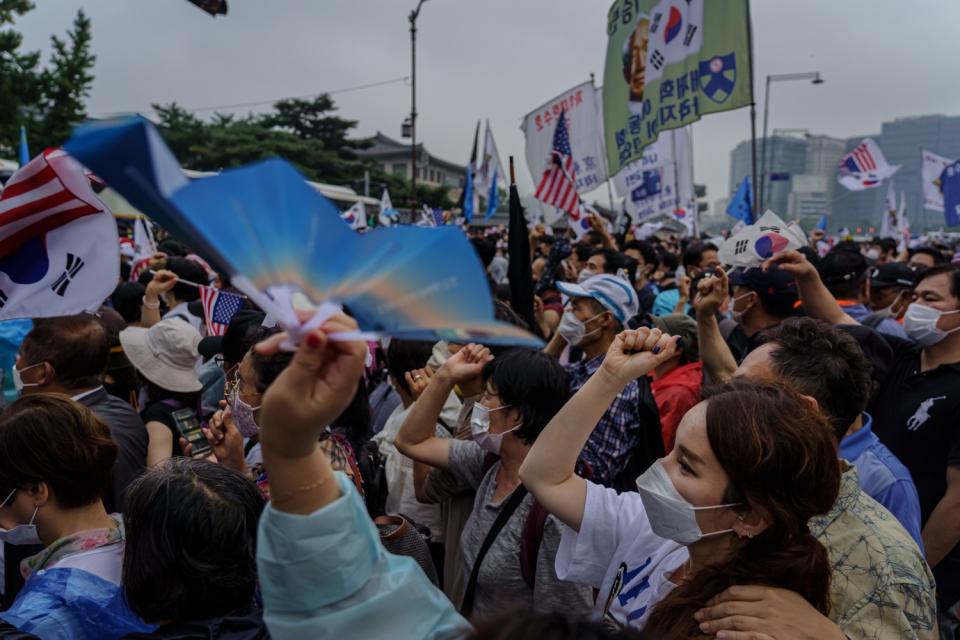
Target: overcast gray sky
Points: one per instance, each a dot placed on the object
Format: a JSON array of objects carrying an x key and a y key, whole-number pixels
[{"x": 499, "y": 59}]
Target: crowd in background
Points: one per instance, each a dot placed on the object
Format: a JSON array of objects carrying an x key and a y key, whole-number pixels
[{"x": 697, "y": 451}]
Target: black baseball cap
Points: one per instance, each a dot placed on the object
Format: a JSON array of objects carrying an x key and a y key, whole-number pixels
[
  {"x": 893, "y": 274},
  {"x": 773, "y": 285},
  {"x": 842, "y": 266},
  {"x": 236, "y": 341}
]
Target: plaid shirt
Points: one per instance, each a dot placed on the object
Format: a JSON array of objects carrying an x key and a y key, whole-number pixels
[{"x": 608, "y": 449}]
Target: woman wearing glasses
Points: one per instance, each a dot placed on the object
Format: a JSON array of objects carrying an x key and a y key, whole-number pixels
[
  {"x": 508, "y": 545},
  {"x": 236, "y": 422}
]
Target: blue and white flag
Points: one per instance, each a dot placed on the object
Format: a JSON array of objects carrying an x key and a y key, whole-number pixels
[
  {"x": 388, "y": 215},
  {"x": 355, "y": 216},
  {"x": 741, "y": 206},
  {"x": 490, "y": 174},
  {"x": 822, "y": 224}
]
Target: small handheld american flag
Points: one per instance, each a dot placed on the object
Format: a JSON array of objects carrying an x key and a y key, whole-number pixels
[
  {"x": 219, "y": 307},
  {"x": 558, "y": 186}
]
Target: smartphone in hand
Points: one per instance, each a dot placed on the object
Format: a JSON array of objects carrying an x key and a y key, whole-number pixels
[{"x": 189, "y": 426}]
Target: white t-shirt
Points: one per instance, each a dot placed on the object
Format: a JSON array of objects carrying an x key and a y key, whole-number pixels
[{"x": 617, "y": 553}]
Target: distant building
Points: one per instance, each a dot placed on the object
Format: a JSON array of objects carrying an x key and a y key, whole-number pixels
[
  {"x": 901, "y": 141},
  {"x": 786, "y": 158},
  {"x": 394, "y": 158}
]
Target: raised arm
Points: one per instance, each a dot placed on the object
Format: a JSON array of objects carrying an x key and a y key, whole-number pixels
[
  {"x": 548, "y": 470},
  {"x": 718, "y": 361},
  {"x": 417, "y": 437},
  {"x": 309, "y": 394},
  {"x": 162, "y": 282},
  {"x": 817, "y": 301}
]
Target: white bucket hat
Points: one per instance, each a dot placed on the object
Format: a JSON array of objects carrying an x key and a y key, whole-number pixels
[{"x": 166, "y": 354}]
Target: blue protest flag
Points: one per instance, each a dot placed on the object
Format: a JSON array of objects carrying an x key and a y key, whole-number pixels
[
  {"x": 24, "y": 151},
  {"x": 822, "y": 225},
  {"x": 277, "y": 237},
  {"x": 493, "y": 197},
  {"x": 741, "y": 206},
  {"x": 950, "y": 183}
]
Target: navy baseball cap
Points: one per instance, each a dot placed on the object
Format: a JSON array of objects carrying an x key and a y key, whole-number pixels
[{"x": 773, "y": 285}]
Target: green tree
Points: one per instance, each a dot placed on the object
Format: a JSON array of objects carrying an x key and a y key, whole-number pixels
[
  {"x": 66, "y": 84},
  {"x": 20, "y": 87}
]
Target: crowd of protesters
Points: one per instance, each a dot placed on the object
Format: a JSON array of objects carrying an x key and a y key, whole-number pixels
[{"x": 697, "y": 451}]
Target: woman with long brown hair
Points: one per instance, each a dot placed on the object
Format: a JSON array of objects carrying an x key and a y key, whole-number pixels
[{"x": 729, "y": 505}]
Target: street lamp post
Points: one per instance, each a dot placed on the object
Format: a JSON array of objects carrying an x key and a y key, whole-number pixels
[
  {"x": 814, "y": 78},
  {"x": 413, "y": 106}
]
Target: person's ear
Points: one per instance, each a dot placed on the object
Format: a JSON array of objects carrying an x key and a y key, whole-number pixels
[
  {"x": 812, "y": 402},
  {"x": 47, "y": 373},
  {"x": 750, "y": 524},
  {"x": 38, "y": 494}
]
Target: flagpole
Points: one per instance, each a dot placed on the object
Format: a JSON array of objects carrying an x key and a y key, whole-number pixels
[
  {"x": 753, "y": 111},
  {"x": 606, "y": 166}
]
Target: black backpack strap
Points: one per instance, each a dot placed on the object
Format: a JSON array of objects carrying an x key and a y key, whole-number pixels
[{"x": 511, "y": 505}]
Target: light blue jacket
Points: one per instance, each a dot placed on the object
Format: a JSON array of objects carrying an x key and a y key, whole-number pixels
[{"x": 326, "y": 575}]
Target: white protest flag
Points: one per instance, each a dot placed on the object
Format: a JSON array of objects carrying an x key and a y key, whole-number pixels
[
  {"x": 889, "y": 227},
  {"x": 661, "y": 182},
  {"x": 933, "y": 166},
  {"x": 755, "y": 243},
  {"x": 903, "y": 225},
  {"x": 58, "y": 241},
  {"x": 865, "y": 167},
  {"x": 490, "y": 174},
  {"x": 583, "y": 119},
  {"x": 144, "y": 246},
  {"x": 355, "y": 216},
  {"x": 388, "y": 215}
]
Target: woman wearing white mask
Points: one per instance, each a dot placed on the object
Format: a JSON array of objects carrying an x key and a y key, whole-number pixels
[
  {"x": 523, "y": 391},
  {"x": 58, "y": 458},
  {"x": 728, "y": 506}
]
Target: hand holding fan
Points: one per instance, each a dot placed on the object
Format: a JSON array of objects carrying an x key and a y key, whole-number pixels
[{"x": 277, "y": 237}]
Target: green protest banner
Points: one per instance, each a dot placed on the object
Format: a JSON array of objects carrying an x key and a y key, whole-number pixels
[{"x": 669, "y": 63}]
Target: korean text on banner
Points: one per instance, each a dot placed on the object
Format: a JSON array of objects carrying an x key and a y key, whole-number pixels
[
  {"x": 670, "y": 62},
  {"x": 586, "y": 138},
  {"x": 661, "y": 181}
]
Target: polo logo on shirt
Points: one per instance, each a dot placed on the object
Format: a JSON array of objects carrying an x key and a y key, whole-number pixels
[{"x": 920, "y": 418}]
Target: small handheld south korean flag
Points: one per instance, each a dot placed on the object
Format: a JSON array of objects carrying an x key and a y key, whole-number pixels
[{"x": 755, "y": 243}]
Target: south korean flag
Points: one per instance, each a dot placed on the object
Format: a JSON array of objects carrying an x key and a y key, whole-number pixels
[
  {"x": 676, "y": 32},
  {"x": 756, "y": 243}
]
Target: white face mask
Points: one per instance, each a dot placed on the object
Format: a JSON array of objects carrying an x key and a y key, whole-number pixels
[
  {"x": 573, "y": 329},
  {"x": 480, "y": 428},
  {"x": 873, "y": 255},
  {"x": 585, "y": 274},
  {"x": 22, "y": 533},
  {"x": 18, "y": 382},
  {"x": 671, "y": 516},
  {"x": 737, "y": 316},
  {"x": 920, "y": 323}
]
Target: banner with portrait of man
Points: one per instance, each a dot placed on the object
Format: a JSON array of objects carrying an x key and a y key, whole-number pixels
[{"x": 670, "y": 62}]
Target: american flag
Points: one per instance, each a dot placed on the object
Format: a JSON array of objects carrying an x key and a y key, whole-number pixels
[
  {"x": 38, "y": 199},
  {"x": 219, "y": 308},
  {"x": 860, "y": 160},
  {"x": 558, "y": 184}
]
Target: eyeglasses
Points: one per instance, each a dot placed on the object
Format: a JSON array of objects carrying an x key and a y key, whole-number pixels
[{"x": 232, "y": 382}]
